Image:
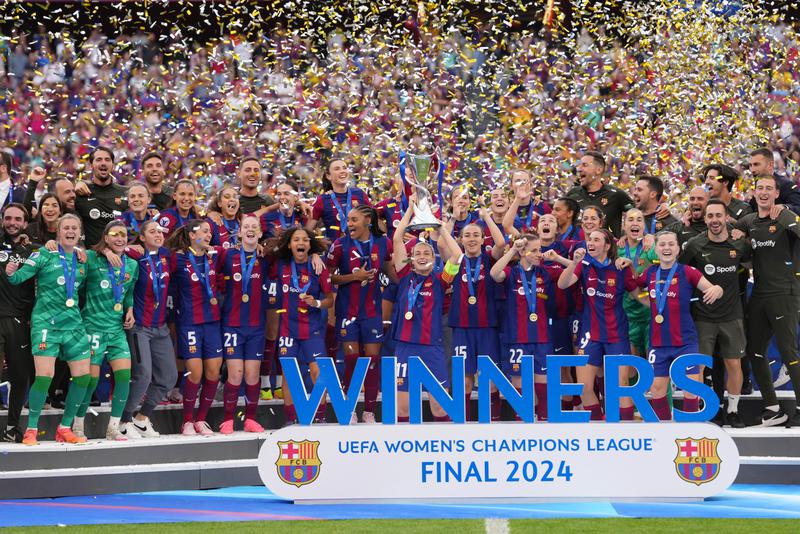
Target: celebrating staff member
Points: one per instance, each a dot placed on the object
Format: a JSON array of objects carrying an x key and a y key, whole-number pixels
[
  {"x": 672, "y": 332},
  {"x": 15, "y": 317},
  {"x": 153, "y": 370},
  {"x": 773, "y": 308},
  {"x": 355, "y": 261},
  {"x": 593, "y": 192},
  {"x": 242, "y": 283},
  {"x": 195, "y": 268},
  {"x": 109, "y": 307},
  {"x": 473, "y": 306},
  {"x": 604, "y": 325},
  {"x": 153, "y": 173},
  {"x": 304, "y": 294},
  {"x": 418, "y": 311},
  {"x": 721, "y": 324},
  {"x": 56, "y": 326},
  {"x": 530, "y": 308},
  {"x": 101, "y": 200},
  {"x": 333, "y": 206}
]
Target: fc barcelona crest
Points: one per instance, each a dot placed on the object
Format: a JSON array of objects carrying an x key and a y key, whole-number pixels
[
  {"x": 298, "y": 462},
  {"x": 697, "y": 461}
]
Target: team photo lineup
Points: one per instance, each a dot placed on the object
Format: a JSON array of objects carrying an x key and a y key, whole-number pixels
[
  {"x": 173, "y": 224},
  {"x": 105, "y": 271}
]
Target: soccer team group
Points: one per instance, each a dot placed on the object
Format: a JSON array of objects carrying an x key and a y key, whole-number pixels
[{"x": 109, "y": 272}]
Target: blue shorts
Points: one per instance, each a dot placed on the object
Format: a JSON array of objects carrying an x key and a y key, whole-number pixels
[
  {"x": 199, "y": 341},
  {"x": 360, "y": 330},
  {"x": 243, "y": 342},
  {"x": 596, "y": 350},
  {"x": 474, "y": 342},
  {"x": 562, "y": 336},
  {"x": 303, "y": 350},
  {"x": 513, "y": 353},
  {"x": 661, "y": 359},
  {"x": 432, "y": 355},
  {"x": 273, "y": 299}
]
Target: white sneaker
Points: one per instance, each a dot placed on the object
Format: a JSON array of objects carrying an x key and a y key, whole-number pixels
[
  {"x": 130, "y": 431},
  {"x": 145, "y": 428},
  {"x": 368, "y": 418},
  {"x": 783, "y": 377},
  {"x": 113, "y": 433},
  {"x": 354, "y": 418},
  {"x": 188, "y": 429}
]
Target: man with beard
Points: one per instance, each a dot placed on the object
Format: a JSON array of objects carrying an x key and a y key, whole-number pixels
[
  {"x": 102, "y": 200},
  {"x": 720, "y": 326},
  {"x": 15, "y": 317},
  {"x": 692, "y": 222},
  {"x": 762, "y": 163},
  {"x": 647, "y": 195},
  {"x": 153, "y": 172},
  {"x": 775, "y": 302},
  {"x": 249, "y": 175},
  {"x": 62, "y": 188},
  {"x": 719, "y": 180},
  {"x": 593, "y": 192}
]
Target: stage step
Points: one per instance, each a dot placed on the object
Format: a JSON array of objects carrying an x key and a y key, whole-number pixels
[{"x": 196, "y": 462}]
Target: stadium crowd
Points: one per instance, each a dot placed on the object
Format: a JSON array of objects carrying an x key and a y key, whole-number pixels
[{"x": 227, "y": 203}]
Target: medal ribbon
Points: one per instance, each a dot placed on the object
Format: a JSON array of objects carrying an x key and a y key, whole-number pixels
[
  {"x": 247, "y": 269},
  {"x": 530, "y": 290},
  {"x": 635, "y": 257},
  {"x": 117, "y": 280},
  {"x": 413, "y": 293},
  {"x": 295, "y": 278},
  {"x": 232, "y": 231},
  {"x": 343, "y": 212},
  {"x": 156, "y": 270},
  {"x": 69, "y": 276},
  {"x": 204, "y": 275},
  {"x": 473, "y": 274},
  {"x": 663, "y": 290}
]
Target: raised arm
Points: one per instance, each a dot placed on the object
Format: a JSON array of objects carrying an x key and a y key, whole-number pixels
[
  {"x": 497, "y": 235},
  {"x": 498, "y": 269},
  {"x": 399, "y": 255},
  {"x": 568, "y": 277}
]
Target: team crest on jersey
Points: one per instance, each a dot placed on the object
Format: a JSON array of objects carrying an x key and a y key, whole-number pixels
[
  {"x": 612, "y": 282},
  {"x": 192, "y": 349},
  {"x": 603, "y": 201},
  {"x": 674, "y": 281},
  {"x": 42, "y": 346},
  {"x": 733, "y": 253},
  {"x": 343, "y": 332},
  {"x": 539, "y": 280},
  {"x": 772, "y": 229},
  {"x": 127, "y": 277},
  {"x": 230, "y": 351},
  {"x": 697, "y": 460},
  {"x": 284, "y": 351},
  {"x": 298, "y": 462}
]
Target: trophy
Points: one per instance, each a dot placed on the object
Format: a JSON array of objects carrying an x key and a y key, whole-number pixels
[{"x": 417, "y": 179}]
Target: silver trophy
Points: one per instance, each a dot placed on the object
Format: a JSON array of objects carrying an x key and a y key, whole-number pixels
[{"x": 417, "y": 178}]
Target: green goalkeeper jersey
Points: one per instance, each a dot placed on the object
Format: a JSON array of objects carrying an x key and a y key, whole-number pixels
[
  {"x": 99, "y": 314},
  {"x": 635, "y": 310},
  {"x": 51, "y": 310}
]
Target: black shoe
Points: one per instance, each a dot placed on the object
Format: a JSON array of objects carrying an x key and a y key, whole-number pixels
[
  {"x": 747, "y": 387},
  {"x": 11, "y": 435},
  {"x": 734, "y": 420},
  {"x": 794, "y": 420},
  {"x": 773, "y": 418},
  {"x": 719, "y": 419}
]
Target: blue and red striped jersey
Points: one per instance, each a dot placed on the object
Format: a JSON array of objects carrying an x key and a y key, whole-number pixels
[
  {"x": 225, "y": 235},
  {"x": 152, "y": 287},
  {"x": 391, "y": 210},
  {"x": 134, "y": 225},
  {"x": 298, "y": 319},
  {"x": 678, "y": 327},
  {"x": 193, "y": 303},
  {"x": 325, "y": 209},
  {"x": 472, "y": 217},
  {"x": 517, "y": 324},
  {"x": 481, "y": 313},
  {"x": 171, "y": 219},
  {"x": 274, "y": 222},
  {"x": 604, "y": 288},
  {"x": 424, "y": 326},
  {"x": 527, "y": 217},
  {"x": 235, "y": 311},
  {"x": 354, "y": 301}
]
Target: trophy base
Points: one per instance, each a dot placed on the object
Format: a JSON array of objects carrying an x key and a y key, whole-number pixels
[{"x": 418, "y": 227}]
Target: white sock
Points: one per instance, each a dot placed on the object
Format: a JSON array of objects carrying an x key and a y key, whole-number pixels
[
  {"x": 113, "y": 421},
  {"x": 773, "y": 407},
  {"x": 264, "y": 382},
  {"x": 733, "y": 403},
  {"x": 77, "y": 424},
  {"x": 278, "y": 381}
]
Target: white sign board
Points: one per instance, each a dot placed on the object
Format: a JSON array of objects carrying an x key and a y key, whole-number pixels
[{"x": 511, "y": 460}]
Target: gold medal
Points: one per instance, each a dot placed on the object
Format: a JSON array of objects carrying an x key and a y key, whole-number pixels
[
  {"x": 659, "y": 318},
  {"x": 245, "y": 298},
  {"x": 155, "y": 305},
  {"x": 409, "y": 315},
  {"x": 533, "y": 317},
  {"x": 472, "y": 300},
  {"x": 117, "y": 307},
  {"x": 70, "y": 303},
  {"x": 302, "y": 296},
  {"x": 214, "y": 301}
]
